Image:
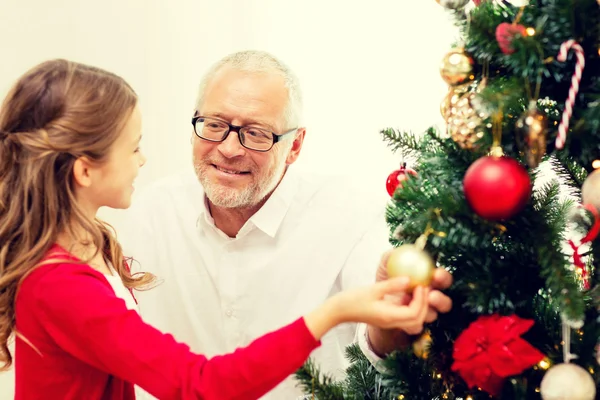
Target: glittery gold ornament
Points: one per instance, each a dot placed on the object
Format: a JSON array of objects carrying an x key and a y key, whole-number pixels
[
  {"x": 454, "y": 4},
  {"x": 421, "y": 345},
  {"x": 412, "y": 261},
  {"x": 464, "y": 120},
  {"x": 445, "y": 104},
  {"x": 531, "y": 135},
  {"x": 453, "y": 90},
  {"x": 456, "y": 67}
]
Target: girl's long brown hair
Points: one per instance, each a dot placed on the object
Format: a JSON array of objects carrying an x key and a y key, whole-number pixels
[{"x": 56, "y": 112}]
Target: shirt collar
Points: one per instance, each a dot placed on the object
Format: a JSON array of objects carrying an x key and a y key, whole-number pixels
[{"x": 270, "y": 216}]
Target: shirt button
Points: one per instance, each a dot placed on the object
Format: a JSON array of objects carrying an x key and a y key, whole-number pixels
[{"x": 229, "y": 313}]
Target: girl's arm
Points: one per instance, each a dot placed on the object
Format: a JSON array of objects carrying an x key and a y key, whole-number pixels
[
  {"x": 79, "y": 310},
  {"x": 77, "y": 307}
]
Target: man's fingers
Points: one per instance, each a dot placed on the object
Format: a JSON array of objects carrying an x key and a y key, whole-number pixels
[
  {"x": 442, "y": 279},
  {"x": 439, "y": 301},
  {"x": 382, "y": 274},
  {"x": 431, "y": 316},
  {"x": 385, "y": 256}
]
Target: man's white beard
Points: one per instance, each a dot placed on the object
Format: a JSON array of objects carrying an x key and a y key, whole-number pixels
[{"x": 249, "y": 196}]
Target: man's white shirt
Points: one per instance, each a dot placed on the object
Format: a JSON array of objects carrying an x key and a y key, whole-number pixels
[{"x": 314, "y": 237}]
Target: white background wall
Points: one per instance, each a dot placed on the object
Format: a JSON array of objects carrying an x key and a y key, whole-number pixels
[{"x": 363, "y": 67}]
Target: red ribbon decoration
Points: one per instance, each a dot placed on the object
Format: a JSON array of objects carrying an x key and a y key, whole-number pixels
[{"x": 591, "y": 235}]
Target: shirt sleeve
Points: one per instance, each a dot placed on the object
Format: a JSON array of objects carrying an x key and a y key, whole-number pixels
[
  {"x": 360, "y": 269},
  {"x": 362, "y": 338},
  {"x": 361, "y": 265},
  {"x": 76, "y": 306}
]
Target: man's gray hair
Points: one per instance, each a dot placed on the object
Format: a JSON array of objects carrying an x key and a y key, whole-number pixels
[{"x": 261, "y": 62}]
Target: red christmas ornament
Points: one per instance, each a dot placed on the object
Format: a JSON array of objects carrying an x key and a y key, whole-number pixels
[
  {"x": 491, "y": 349},
  {"x": 496, "y": 188},
  {"x": 505, "y": 33},
  {"x": 396, "y": 178}
]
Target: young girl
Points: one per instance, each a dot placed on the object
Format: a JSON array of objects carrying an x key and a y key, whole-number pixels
[{"x": 69, "y": 144}]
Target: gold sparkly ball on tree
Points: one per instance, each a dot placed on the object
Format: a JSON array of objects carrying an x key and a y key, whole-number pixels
[
  {"x": 452, "y": 92},
  {"x": 411, "y": 261},
  {"x": 463, "y": 121},
  {"x": 531, "y": 135},
  {"x": 456, "y": 67}
]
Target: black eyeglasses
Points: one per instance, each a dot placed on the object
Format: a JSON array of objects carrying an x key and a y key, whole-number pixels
[{"x": 216, "y": 130}]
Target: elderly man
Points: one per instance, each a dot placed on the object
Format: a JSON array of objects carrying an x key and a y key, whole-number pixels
[{"x": 247, "y": 243}]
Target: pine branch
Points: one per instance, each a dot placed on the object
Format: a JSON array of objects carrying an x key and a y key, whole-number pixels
[
  {"x": 481, "y": 42},
  {"x": 404, "y": 142},
  {"x": 363, "y": 382},
  {"x": 569, "y": 173},
  {"x": 322, "y": 386},
  {"x": 354, "y": 353},
  {"x": 560, "y": 281}
]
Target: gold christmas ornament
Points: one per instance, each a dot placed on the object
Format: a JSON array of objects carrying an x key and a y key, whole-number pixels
[
  {"x": 590, "y": 190},
  {"x": 454, "y": 4},
  {"x": 567, "y": 381},
  {"x": 421, "y": 345},
  {"x": 531, "y": 135},
  {"x": 445, "y": 104},
  {"x": 412, "y": 261},
  {"x": 464, "y": 120},
  {"x": 453, "y": 90},
  {"x": 456, "y": 67}
]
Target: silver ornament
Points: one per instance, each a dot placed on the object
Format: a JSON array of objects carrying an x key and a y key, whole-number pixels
[
  {"x": 518, "y": 3},
  {"x": 590, "y": 190},
  {"x": 567, "y": 382}
]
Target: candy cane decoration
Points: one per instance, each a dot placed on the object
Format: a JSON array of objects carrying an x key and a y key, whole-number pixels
[{"x": 562, "y": 57}]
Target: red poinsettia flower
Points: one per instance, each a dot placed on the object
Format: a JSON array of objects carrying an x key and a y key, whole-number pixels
[{"x": 491, "y": 349}]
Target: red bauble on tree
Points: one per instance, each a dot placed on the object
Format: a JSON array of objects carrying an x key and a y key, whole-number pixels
[
  {"x": 396, "y": 178},
  {"x": 506, "y": 33},
  {"x": 497, "y": 188}
]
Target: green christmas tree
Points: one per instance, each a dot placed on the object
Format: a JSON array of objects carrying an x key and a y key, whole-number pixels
[{"x": 524, "y": 99}]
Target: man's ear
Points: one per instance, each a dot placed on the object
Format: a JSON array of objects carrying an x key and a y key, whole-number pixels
[{"x": 296, "y": 147}]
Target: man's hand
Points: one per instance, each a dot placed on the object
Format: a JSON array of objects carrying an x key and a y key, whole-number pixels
[{"x": 384, "y": 341}]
